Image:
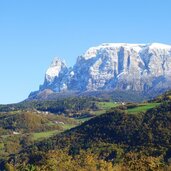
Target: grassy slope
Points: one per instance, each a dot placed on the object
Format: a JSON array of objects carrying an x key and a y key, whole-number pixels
[
  {"x": 142, "y": 107},
  {"x": 45, "y": 134},
  {"x": 106, "y": 105}
]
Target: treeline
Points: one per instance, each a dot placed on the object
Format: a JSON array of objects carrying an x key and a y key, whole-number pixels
[
  {"x": 69, "y": 105},
  {"x": 60, "y": 160}
]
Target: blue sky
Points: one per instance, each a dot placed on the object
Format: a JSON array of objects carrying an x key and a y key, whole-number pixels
[{"x": 32, "y": 32}]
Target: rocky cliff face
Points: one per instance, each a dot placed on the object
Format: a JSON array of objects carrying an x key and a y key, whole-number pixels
[
  {"x": 114, "y": 66},
  {"x": 54, "y": 75}
]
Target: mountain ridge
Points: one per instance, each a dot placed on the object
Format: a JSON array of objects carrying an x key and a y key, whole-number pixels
[{"x": 113, "y": 66}]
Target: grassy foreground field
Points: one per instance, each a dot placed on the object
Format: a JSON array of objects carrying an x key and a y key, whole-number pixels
[{"x": 46, "y": 134}]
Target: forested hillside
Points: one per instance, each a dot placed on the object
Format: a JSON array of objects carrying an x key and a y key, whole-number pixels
[{"x": 117, "y": 140}]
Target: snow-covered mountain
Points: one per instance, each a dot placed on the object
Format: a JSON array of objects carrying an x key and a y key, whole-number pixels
[
  {"x": 113, "y": 66},
  {"x": 54, "y": 75}
]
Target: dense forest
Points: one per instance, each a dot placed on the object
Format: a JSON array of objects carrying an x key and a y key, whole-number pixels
[{"x": 126, "y": 137}]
